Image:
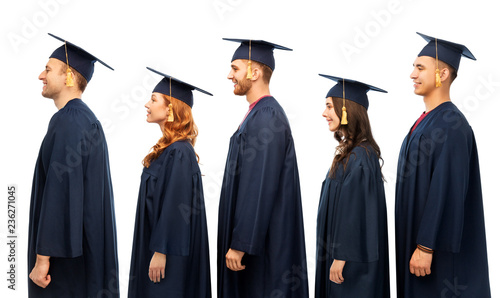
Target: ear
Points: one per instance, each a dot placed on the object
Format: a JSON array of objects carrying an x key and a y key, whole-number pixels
[
  {"x": 256, "y": 73},
  {"x": 444, "y": 74}
]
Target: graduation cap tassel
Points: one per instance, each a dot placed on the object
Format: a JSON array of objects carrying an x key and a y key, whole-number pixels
[
  {"x": 249, "y": 68},
  {"x": 69, "y": 78},
  {"x": 438, "y": 77},
  {"x": 344, "y": 111},
  {"x": 69, "y": 75},
  {"x": 170, "y": 113},
  {"x": 170, "y": 107},
  {"x": 344, "y": 117}
]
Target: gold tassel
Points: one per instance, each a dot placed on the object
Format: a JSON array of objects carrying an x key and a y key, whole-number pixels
[
  {"x": 170, "y": 113},
  {"x": 438, "y": 78},
  {"x": 344, "y": 116},
  {"x": 249, "y": 70},
  {"x": 344, "y": 110},
  {"x": 69, "y": 78}
]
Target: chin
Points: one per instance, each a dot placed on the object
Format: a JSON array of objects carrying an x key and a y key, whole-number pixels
[{"x": 238, "y": 92}]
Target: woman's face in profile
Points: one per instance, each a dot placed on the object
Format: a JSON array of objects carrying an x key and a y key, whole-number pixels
[
  {"x": 330, "y": 115},
  {"x": 157, "y": 109}
]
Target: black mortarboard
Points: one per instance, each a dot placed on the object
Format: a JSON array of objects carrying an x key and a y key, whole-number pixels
[
  {"x": 351, "y": 90},
  {"x": 81, "y": 60},
  {"x": 445, "y": 51},
  {"x": 256, "y": 50},
  {"x": 176, "y": 88}
]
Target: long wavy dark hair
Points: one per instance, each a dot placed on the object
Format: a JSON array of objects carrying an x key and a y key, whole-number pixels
[
  {"x": 182, "y": 128},
  {"x": 357, "y": 132}
]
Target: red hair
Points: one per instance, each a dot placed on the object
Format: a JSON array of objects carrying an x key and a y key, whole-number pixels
[{"x": 182, "y": 128}]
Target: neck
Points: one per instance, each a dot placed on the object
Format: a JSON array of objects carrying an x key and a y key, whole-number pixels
[
  {"x": 437, "y": 97},
  {"x": 62, "y": 99},
  {"x": 257, "y": 92}
]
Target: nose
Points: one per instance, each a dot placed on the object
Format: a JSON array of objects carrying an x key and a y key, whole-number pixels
[
  {"x": 42, "y": 75},
  {"x": 324, "y": 114},
  {"x": 413, "y": 74},
  {"x": 230, "y": 75}
]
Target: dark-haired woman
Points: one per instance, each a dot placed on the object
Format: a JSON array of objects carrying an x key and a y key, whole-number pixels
[
  {"x": 170, "y": 255},
  {"x": 352, "y": 251}
]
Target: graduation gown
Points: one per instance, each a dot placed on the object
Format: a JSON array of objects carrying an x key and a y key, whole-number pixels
[
  {"x": 72, "y": 211},
  {"x": 439, "y": 205},
  {"x": 260, "y": 210},
  {"x": 352, "y": 226},
  {"x": 170, "y": 219}
]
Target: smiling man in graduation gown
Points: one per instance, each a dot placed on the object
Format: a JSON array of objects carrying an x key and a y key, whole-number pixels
[
  {"x": 72, "y": 236},
  {"x": 440, "y": 233},
  {"x": 260, "y": 248}
]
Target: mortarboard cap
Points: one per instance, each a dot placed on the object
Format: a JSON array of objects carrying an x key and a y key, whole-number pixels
[
  {"x": 351, "y": 90},
  {"x": 445, "y": 51},
  {"x": 76, "y": 57},
  {"x": 176, "y": 88},
  {"x": 256, "y": 50}
]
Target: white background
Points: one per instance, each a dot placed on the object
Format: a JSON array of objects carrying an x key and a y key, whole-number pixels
[{"x": 370, "y": 41}]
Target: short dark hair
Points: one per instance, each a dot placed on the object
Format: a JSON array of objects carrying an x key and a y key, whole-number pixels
[
  {"x": 453, "y": 71},
  {"x": 267, "y": 72}
]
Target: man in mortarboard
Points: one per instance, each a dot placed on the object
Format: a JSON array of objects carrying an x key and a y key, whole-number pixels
[
  {"x": 440, "y": 233},
  {"x": 260, "y": 248},
  {"x": 72, "y": 236}
]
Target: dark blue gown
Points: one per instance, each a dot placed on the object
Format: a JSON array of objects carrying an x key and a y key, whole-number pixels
[
  {"x": 260, "y": 210},
  {"x": 72, "y": 211},
  {"x": 352, "y": 226},
  {"x": 439, "y": 205},
  {"x": 170, "y": 219}
]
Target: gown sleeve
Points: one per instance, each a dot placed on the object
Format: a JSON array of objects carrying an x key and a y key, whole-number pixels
[
  {"x": 175, "y": 191},
  {"x": 262, "y": 159},
  {"x": 442, "y": 219},
  {"x": 60, "y": 226},
  {"x": 356, "y": 236}
]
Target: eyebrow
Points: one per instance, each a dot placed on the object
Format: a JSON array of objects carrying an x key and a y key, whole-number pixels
[
  {"x": 419, "y": 65},
  {"x": 234, "y": 66}
]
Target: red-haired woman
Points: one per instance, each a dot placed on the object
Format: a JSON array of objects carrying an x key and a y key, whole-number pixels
[
  {"x": 352, "y": 257},
  {"x": 170, "y": 255}
]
